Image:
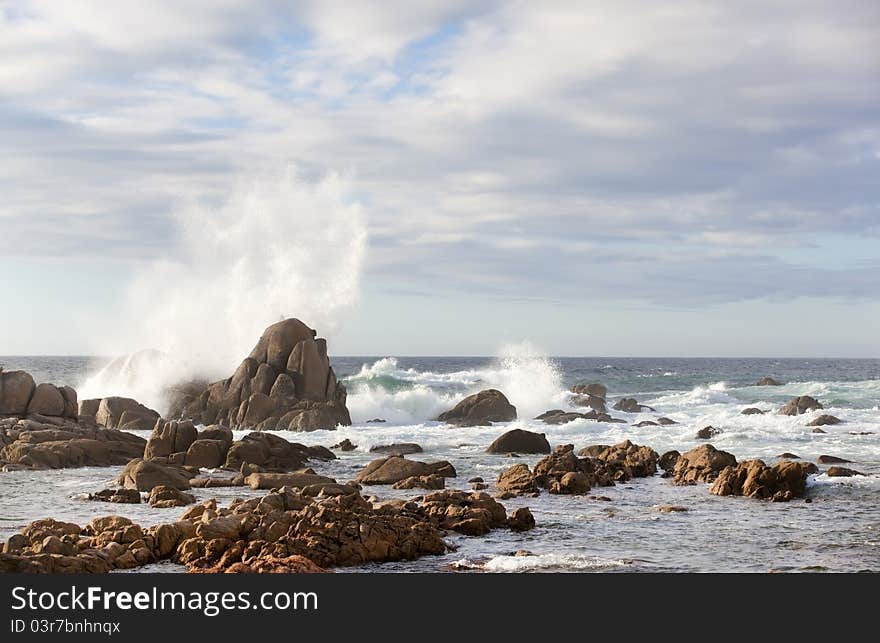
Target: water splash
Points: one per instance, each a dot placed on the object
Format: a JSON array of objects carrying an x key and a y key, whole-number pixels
[{"x": 279, "y": 247}]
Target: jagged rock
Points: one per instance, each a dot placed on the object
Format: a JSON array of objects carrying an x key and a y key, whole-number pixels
[
  {"x": 631, "y": 405},
  {"x": 520, "y": 441},
  {"x": 753, "y": 479},
  {"x": 558, "y": 416},
  {"x": 825, "y": 420},
  {"x": 403, "y": 448},
  {"x": 767, "y": 381},
  {"x": 800, "y": 405},
  {"x": 163, "y": 497},
  {"x": 521, "y": 519},
  {"x": 36, "y": 445},
  {"x": 472, "y": 514},
  {"x": 707, "y": 432},
  {"x": 376, "y": 421},
  {"x": 345, "y": 445},
  {"x": 752, "y": 411},
  {"x": 278, "y": 480},
  {"x": 595, "y": 389},
  {"x": 486, "y": 406},
  {"x": 143, "y": 475},
  {"x": 517, "y": 480},
  {"x": 123, "y": 496},
  {"x": 395, "y": 468},
  {"x": 431, "y": 481},
  {"x": 286, "y": 383},
  {"x": 842, "y": 472},
  {"x": 702, "y": 464}
]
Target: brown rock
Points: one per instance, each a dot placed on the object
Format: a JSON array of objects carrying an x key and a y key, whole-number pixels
[
  {"x": 345, "y": 445},
  {"x": 278, "y": 480},
  {"x": 489, "y": 405},
  {"x": 394, "y": 469},
  {"x": 631, "y": 405},
  {"x": 800, "y": 405},
  {"x": 206, "y": 454},
  {"x": 666, "y": 509},
  {"x": 520, "y": 441},
  {"x": 667, "y": 462},
  {"x": 521, "y": 519},
  {"x": 401, "y": 449},
  {"x": 431, "y": 481},
  {"x": 767, "y": 381},
  {"x": 143, "y": 475},
  {"x": 163, "y": 497},
  {"x": 831, "y": 459},
  {"x": 517, "y": 480},
  {"x": 842, "y": 472},
  {"x": 752, "y": 411},
  {"x": 16, "y": 389},
  {"x": 124, "y": 496},
  {"x": 825, "y": 420},
  {"x": 46, "y": 400},
  {"x": 752, "y": 478},
  {"x": 707, "y": 432},
  {"x": 702, "y": 464}
]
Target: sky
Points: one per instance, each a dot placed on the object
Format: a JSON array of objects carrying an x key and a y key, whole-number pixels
[{"x": 687, "y": 178}]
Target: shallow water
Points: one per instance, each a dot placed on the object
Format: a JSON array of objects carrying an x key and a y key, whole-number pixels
[{"x": 838, "y": 531}]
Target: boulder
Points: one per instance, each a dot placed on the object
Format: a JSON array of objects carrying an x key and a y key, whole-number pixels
[
  {"x": 16, "y": 389},
  {"x": 432, "y": 481},
  {"x": 268, "y": 451},
  {"x": 206, "y": 454},
  {"x": 631, "y": 405},
  {"x": 595, "y": 389},
  {"x": 345, "y": 445},
  {"x": 123, "y": 496},
  {"x": 170, "y": 437},
  {"x": 121, "y": 413},
  {"x": 489, "y": 406},
  {"x": 395, "y": 468},
  {"x": 286, "y": 383},
  {"x": 753, "y": 479},
  {"x": 788, "y": 456},
  {"x": 702, "y": 464},
  {"x": 163, "y": 497},
  {"x": 521, "y": 519},
  {"x": 825, "y": 420},
  {"x": 842, "y": 472},
  {"x": 707, "y": 432},
  {"x": 591, "y": 401},
  {"x": 471, "y": 514},
  {"x": 645, "y": 423},
  {"x": 517, "y": 480},
  {"x": 278, "y": 480},
  {"x": 35, "y": 445},
  {"x": 752, "y": 411},
  {"x": 47, "y": 400},
  {"x": 403, "y": 448},
  {"x": 831, "y": 459},
  {"x": 767, "y": 381},
  {"x": 800, "y": 405},
  {"x": 520, "y": 441},
  {"x": 143, "y": 475},
  {"x": 818, "y": 430},
  {"x": 667, "y": 462},
  {"x": 665, "y": 421}
]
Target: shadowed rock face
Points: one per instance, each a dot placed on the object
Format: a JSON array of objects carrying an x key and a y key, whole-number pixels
[
  {"x": 286, "y": 383},
  {"x": 481, "y": 408}
]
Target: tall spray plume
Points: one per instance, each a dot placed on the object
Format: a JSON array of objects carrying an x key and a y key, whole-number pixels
[{"x": 278, "y": 247}]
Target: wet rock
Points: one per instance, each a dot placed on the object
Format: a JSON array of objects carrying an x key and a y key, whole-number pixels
[
  {"x": 16, "y": 389},
  {"x": 477, "y": 479},
  {"x": 401, "y": 449},
  {"x": 572, "y": 483},
  {"x": 376, "y": 421},
  {"x": 788, "y": 456},
  {"x": 489, "y": 405},
  {"x": 753, "y": 479},
  {"x": 594, "y": 389},
  {"x": 123, "y": 496},
  {"x": 36, "y": 445},
  {"x": 479, "y": 486},
  {"x": 394, "y": 469},
  {"x": 667, "y": 509},
  {"x": 645, "y": 423},
  {"x": 831, "y": 459},
  {"x": 800, "y": 405},
  {"x": 431, "y": 481},
  {"x": 46, "y": 400},
  {"x": 517, "y": 480},
  {"x": 206, "y": 454},
  {"x": 520, "y": 441},
  {"x": 521, "y": 519},
  {"x": 825, "y": 420},
  {"x": 702, "y": 464},
  {"x": 345, "y": 445},
  {"x": 842, "y": 472},
  {"x": 163, "y": 497},
  {"x": 667, "y": 462},
  {"x": 630, "y": 405},
  {"x": 216, "y": 432},
  {"x": 170, "y": 437},
  {"x": 665, "y": 421},
  {"x": 707, "y": 432},
  {"x": 267, "y": 451},
  {"x": 767, "y": 381},
  {"x": 143, "y": 475},
  {"x": 286, "y": 383},
  {"x": 471, "y": 514},
  {"x": 752, "y": 411},
  {"x": 818, "y": 430}
]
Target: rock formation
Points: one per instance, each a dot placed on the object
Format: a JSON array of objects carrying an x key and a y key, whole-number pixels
[
  {"x": 631, "y": 405},
  {"x": 286, "y": 383},
  {"x": 702, "y": 464},
  {"x": 767, "y": 381},
  {"x": 480, "y": 409},
  {"x": 591, "y": 395},
  {"x": 520, "y": 441},
  {"x": 118, "y": 413},
  {"x": 800, "y": 405},
  {"x": 395, "y": 468},
  {"x": 753, "y": 479}
]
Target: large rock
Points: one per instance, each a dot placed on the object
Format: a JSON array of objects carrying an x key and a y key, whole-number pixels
[
  {"x": 206, "y": 454},
  {"x": 278, "y": 480},
  {"x": 401, "y": 448},
  {"x": 800, "y": 405},
  {"x": 520, "y": 441},
  {"x": 394, "y": 469},
  {"x": 753, "y": 479},
  {"x": 16, "y": 389},
  {"x": 472, "y": 514},
  {"x": 593, "y": 389},
  {"x": 702, "y": 464},
  {"x": 767, "y": 381},
  {"x": 825, "y": 420},
  {"x": 119, "y": 413},
  {"x": 170, "y": 437},
  {"x": 558, "y": 416},
  {"x": 163, "y": 497},
  {"x": 286, "y": 383},
  {"x": 144, "y": 476},
  {"x": 56, "y": 446},
  {"x": 631, "y": 405},
  {"x": 47, "y": 400},
  {"x": 484, "y": 407},
  {"x": 267, "y": 451},
  {"x": 517, "y": 480}
]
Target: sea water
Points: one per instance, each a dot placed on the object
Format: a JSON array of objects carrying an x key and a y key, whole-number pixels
[{"x": 838, "y": 531}]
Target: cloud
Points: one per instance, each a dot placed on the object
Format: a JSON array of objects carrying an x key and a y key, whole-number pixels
[{"x": 668, "y": 152}]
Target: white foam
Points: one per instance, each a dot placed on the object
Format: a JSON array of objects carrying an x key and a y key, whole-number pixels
[{"x": 542, "y": 563}]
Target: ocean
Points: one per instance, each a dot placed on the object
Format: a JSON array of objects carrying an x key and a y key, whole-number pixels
[{"x": 839, "y": 531}]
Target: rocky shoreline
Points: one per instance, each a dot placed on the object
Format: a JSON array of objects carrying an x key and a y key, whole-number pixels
[{"x": 306, "y": 522}]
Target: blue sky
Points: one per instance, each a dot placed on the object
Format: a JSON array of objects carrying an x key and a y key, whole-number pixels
[{"x": 599, "y": 178}]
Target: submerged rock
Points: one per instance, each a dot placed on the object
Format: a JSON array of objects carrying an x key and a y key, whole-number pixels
[
  {"x": 521, "y": 519},
  {"x": 842, "y": 472},
  {"x": 752, "y": 411},
  {"x": 345, "y": 445},
  {"x": 825, "y": 420},
  {"x": 767, "y": 381},
  {"x": 122, "y": 496},
  {"x": 403, "y": 448},
  {"x": 831, "y": 459},
  {"x": 486, "y": 406},
  {"x": 707, "y": 432},
  {"x": 631, "y": 405}
]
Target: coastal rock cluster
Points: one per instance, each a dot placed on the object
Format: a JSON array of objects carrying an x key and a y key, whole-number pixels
[{"x": 286, "y": 383}]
